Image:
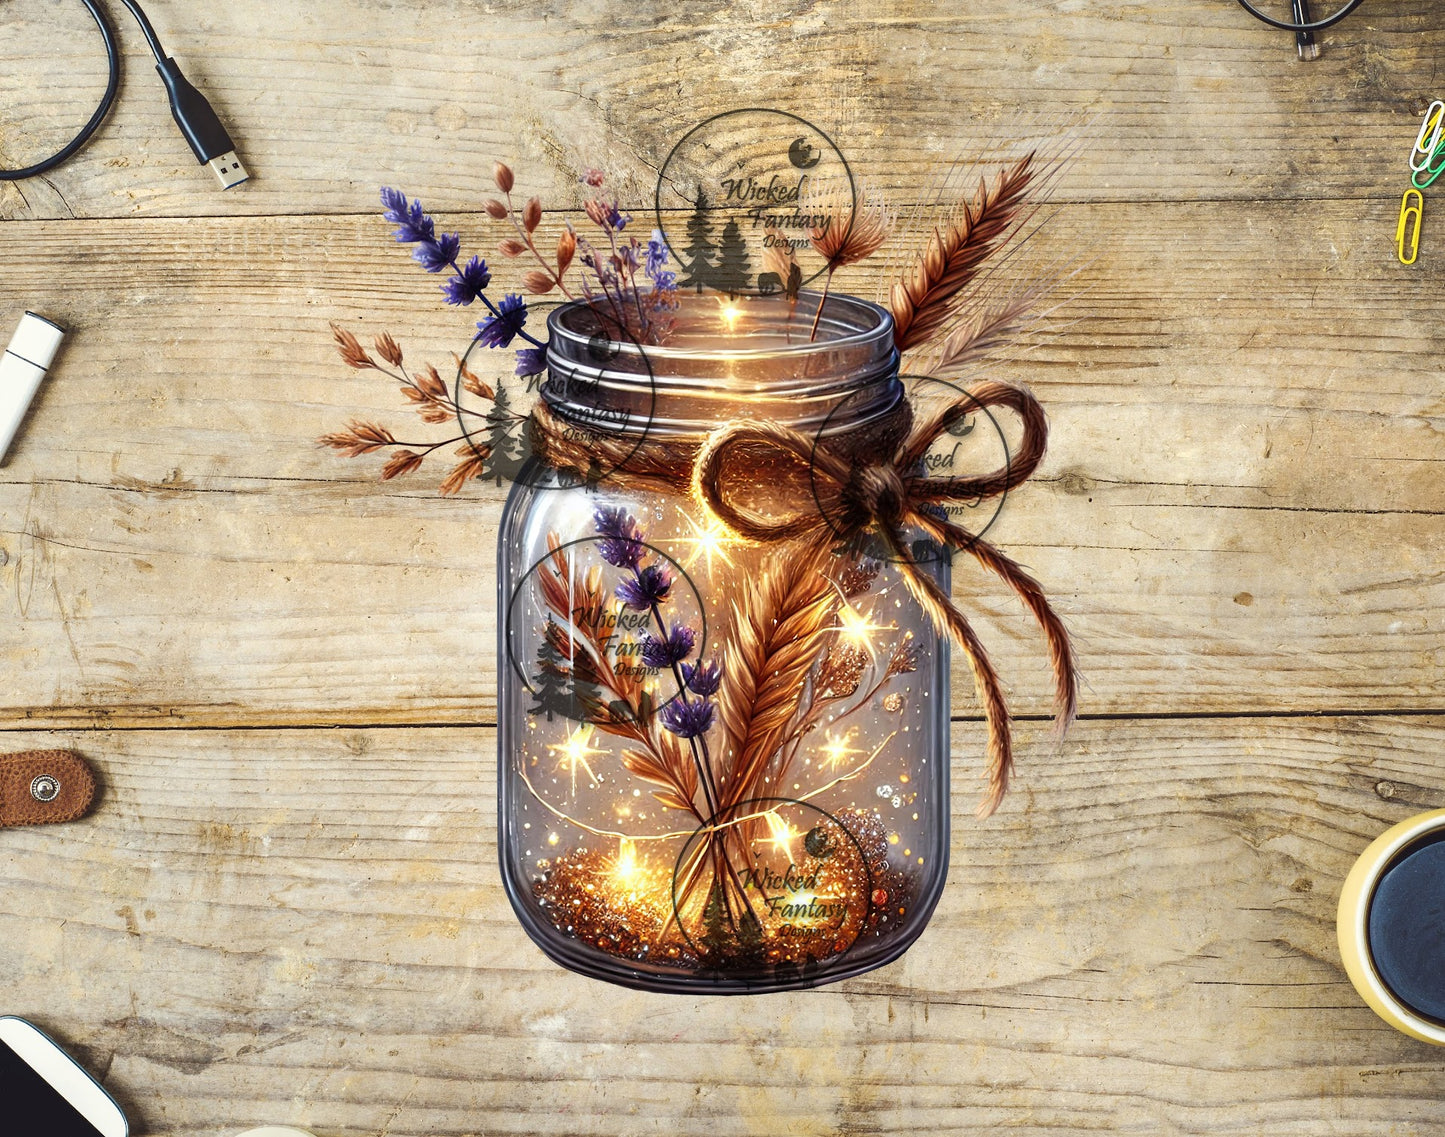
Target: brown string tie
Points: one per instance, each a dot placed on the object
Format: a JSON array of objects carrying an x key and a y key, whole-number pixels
[{"x": 890, "y": 494}]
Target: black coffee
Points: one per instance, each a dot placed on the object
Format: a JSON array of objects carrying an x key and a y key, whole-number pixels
[{"x": 1407, "y": 927}]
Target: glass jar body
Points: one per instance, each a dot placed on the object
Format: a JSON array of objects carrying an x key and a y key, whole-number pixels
[
  {"x": 824, "y": 863},
  {"x": 723, "y": 764}
]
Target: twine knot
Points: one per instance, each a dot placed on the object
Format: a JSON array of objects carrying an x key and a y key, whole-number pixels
[{"x": 872, "y": 494}]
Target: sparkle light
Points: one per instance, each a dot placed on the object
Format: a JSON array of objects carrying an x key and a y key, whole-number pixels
[
  {"x": 858, "y": 627},
  {"x": 781, "y": 834},
  {"x": 836, "y": 750},
  {"x": 628, "y": 870},
  {"x": 707, "y": 541},
  {"x": 730, "y": 314},
  {"x": 574, "y": 753}
]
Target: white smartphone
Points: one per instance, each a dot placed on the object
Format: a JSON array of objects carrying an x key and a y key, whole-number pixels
[{"x": 45, "y": 1092}]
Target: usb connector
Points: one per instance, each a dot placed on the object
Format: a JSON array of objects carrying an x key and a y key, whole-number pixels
[
  {"x": 228, "y": 169},
  {"x": 201, "y": 126}
]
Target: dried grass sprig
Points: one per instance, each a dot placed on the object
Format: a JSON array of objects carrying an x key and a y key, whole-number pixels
[
  {"x": 588, "y": 613},
  {"x": 425, "y": 390},
  {"x": 925, "y": 296},
  {"x": 358, "y": 438},
  {"x": 842, "y": 242},
  {"x": 781, "y": 626}
]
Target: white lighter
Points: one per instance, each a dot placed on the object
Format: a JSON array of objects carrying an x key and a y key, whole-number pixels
[{"x": 23, "y": 365}]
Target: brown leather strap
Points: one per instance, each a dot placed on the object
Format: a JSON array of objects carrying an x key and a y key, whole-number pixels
[{"x": 41, "y": 786}]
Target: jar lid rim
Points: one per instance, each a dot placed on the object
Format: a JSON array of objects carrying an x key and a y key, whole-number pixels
[{"x": 881, "y": 329}]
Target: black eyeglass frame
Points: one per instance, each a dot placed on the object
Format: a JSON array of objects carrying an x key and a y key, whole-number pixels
[{"x": 1317, "y": 25}]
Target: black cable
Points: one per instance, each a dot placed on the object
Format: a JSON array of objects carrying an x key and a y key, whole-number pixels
[
  {"x": 1314, "y": 26},
  {"x": 145, "y": 28},
  {"x": 113, "y": 60},
  {"x": 198, "y": 121}
]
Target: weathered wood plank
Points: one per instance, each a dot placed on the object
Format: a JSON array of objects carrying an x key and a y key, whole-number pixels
[
  {"x": 1199, "y": 100},
  {"x": 1242, "y": 507},
  {"x": 308, "y": 926}
]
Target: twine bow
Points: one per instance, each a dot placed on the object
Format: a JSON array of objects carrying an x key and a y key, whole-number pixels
[{"x": 888, "y": 495}]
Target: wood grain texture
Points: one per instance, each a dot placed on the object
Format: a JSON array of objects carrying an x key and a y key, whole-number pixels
[
  {"x": 1202, "y": 101},
  {"x": 177, "y": 548},
  {"x": 286, "y": 907},
  {"x": 308, "y": 926}
]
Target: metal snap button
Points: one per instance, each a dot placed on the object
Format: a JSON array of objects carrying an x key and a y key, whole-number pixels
[{"x": 45, "y": 788}]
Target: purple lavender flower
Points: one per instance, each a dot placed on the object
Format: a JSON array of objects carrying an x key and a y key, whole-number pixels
[
  {"x": 664, "y": 282},
  {"x": 656, "y": 255},
  {"x": 411, "y": 222},
  {"x": 621, "y": 543},
  {"x": 469, "y": 283},
  {"x": 531, "y": 361},
  {"x": 702, "y": 678},
  {"x": 436, "y": 254},
  {"x": 500, "y": 328},
  {"x": 687, "y": 720},
  {"x": 651, "y": 586},
  {"x": 674, "y": 649},
  {"x": 616, "y": 219}
]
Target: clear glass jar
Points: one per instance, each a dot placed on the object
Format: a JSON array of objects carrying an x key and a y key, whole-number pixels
[{"x": 723, "y": 765}]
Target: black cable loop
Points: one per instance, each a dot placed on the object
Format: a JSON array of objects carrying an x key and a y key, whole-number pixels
[
  {"x": 1315, "y": 26},
  {"x": 112, "y": 56}
]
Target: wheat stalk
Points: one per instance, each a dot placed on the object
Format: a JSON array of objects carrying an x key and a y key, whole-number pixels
[
  {"x": 780, "y": 628},
  {"x": 925, "y": 297}
]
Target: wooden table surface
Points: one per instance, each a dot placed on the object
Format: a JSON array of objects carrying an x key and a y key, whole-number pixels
[{"x": 286, "y": 908}]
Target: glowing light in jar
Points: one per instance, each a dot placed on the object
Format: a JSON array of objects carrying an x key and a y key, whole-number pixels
[
  {"x": 781, "y": 834},
  {"x": 858, "y": 627},
  {"x": 729, "y": 313},
  {"x": 836, "y": 750},
  {"x": 574, "y": 753},
  {"x": 626, "y": 868},
  {"x": 708, "y": 541}
]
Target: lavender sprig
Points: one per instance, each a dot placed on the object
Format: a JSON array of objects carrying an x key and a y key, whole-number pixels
[
  {"x": 703, "y": 678},
  {"x": 621, "y": 544},
  {"x": 672, "y": 649},
  {"x": 651, "y": 586},
  {"x": 690, "y": 713},
  {"x": 434, "y": 253},
  {"x": 688, "y": 720}
]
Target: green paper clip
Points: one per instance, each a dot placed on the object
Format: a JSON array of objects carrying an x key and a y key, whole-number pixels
[
  {"x": 1434, "y": 167},
  {"x": 1417, "y": 208},
  {"x": 1428, "y": 140}
]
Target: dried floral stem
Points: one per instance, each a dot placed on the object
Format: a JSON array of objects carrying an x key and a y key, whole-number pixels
[
  {"x": 818, "y": 315},
  {"x": 526, "y": 235},
  {"x": 868, "y": 226},
  {"x": 659, "y": 760},
  {"x": 925, "y": 296},
  {"x": 780, "y": 629}
]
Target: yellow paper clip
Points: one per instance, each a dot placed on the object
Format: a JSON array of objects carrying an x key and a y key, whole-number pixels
[
  {"x": 1406, "y": 209},
  {"x": 1433, "y": 126}
]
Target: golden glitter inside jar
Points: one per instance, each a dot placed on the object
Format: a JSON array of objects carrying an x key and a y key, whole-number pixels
[{"x": 723, "y": 763}]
